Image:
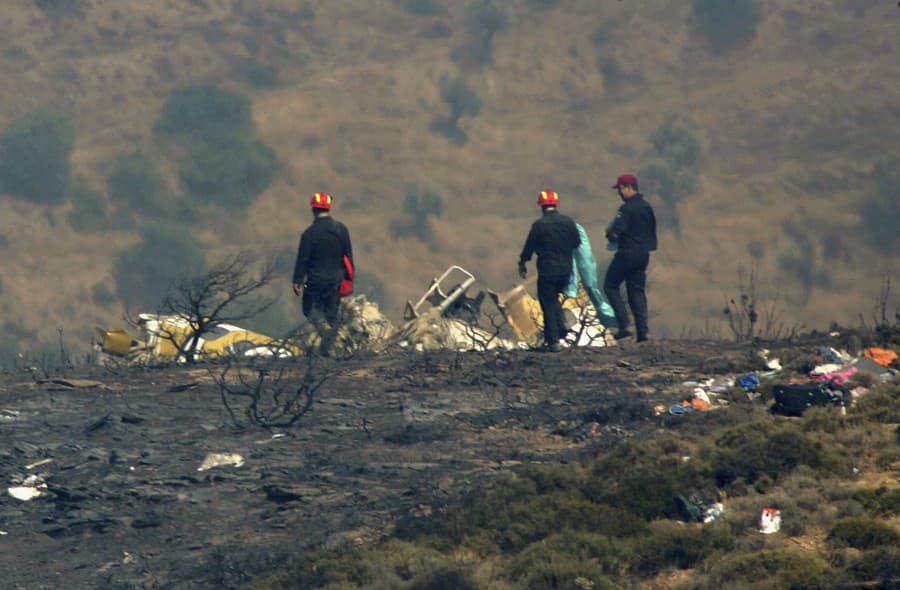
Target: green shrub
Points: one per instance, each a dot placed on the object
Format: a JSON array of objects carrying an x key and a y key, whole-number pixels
[
  {"x": 516, "y": 514},
  {"x": 672, "y": 544},
  {"x": 862, "y": 533},
  {"x": 542, "y": 4},
  {"x": 670, "y": 173},
  {"x": 88, "y": 212},
  {"x": 16, "y": 52},
  {"x": 446, "y": 577},
  {"x": 206, "y": 113},
  {"x": 881, "y": 563},
  {"x": 59, "y": 7},
  {"x": 777, "y": 568},
  {"x": 418, "y": 205},
  {"x": 483, "y": 20},
  {"x": 102, "y": 296},
  {"x": 881, "y": 210},
  {"x": 727, "y": 25},
  {"x": 145, "y": 272},
  {"x": 657, "y": 177},
  {"x": 879, "y": 502},
  {"x": 135, "y": 182},
  {"x": 675, "y": 144},
  {"x": 462, "y": 101},
  {"x": 607, "y": 556},
  {"x": 600, "y": 37},
  {"x": 254, "y": 73},
  {"x": 754, "y": 451},
  {"x": 422, "y": 7},
  {"x": 369, "y": 284},
  {"x": 228, "y": 174},
  {"x": 34, "y": 156}
]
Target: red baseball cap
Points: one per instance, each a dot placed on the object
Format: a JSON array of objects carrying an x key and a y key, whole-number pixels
[{"x": 625, "y": 179}]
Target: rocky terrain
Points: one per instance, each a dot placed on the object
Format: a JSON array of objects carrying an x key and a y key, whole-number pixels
[{"x": 127, "y": 506}]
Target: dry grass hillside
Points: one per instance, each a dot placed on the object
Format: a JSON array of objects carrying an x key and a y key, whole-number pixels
[{"x": 791, "y": 126}]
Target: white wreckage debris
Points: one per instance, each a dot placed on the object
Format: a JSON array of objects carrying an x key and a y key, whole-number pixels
[
  {"x": 445, "y": 317},
  {"x": 453, "y": 320}
]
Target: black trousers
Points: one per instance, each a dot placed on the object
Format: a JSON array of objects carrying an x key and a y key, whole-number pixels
[
  {"x": 548, "y": 289},
  {"x": 320, "y": 306},
  {"x": 629, "y": 266}
]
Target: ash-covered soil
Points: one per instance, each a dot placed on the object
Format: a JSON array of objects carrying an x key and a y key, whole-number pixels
[{"x": 388, "y": 436}]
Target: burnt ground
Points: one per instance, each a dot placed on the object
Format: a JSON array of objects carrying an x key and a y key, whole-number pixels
[{"x": 388, "y": 436}]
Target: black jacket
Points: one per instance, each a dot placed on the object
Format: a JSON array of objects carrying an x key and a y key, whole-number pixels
[
  {"x": 320, "y": 256},
  {"x": 553, "y": 237},
  {"x": 635, "y": 225}
]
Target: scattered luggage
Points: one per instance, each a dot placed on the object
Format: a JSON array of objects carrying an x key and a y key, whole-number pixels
[{"x": 792, "y": 399}]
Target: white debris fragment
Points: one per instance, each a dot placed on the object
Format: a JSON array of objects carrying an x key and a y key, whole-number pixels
[
  {"x": 32, "y": 487},
  {"x": 221, "y": 460}
]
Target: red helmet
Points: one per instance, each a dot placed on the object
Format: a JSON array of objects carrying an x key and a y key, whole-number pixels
[
  {"x": 547, "y": 198},
  {"x": 321, "y": 201}
]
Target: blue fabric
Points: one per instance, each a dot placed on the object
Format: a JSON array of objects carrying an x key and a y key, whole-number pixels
[
  {"x": 585, "y": 271},
  {"x": 611, "y": 245},
  {"x": 749, "y": 382}
]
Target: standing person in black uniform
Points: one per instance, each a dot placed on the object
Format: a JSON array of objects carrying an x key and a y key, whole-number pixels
[
  {"x": 553, "y": 237},
  {"x": 634, "y": 230},
  {"x": 320, "y": 268}
]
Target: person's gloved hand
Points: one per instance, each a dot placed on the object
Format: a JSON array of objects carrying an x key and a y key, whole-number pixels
[{"x": 523, "y": 272}]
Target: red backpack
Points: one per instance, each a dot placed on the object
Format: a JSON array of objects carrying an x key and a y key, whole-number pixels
[{"x": 347, "y": 283}]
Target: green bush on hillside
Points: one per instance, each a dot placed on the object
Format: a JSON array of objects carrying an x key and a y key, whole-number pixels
[
  {"x": 881, "y": 211},
  {"x": 880, "y": 563},
  {"x": 60, "y": 7},
  {"x": 206, "y": 113},
  {"x": 145, "y": 272},
  {"x": 672, "y": 544},
  {"x": 561, "y": 555},
  {"x": 34, "y": 156},
  {"x": 727, "y": 25},
  {"x": 542, "y": 4},
  {"x": 422, "y": 7},
  {"x": 671, "y": 171},
  {"x": 135, "y": 183},
  {"x": 223, "y": 164},
  {"x": 254, "y": 73},
  {"x": 88, "y": 212},
  {"x": 863, "y": 533},
  {"x": 228, "y": 174},
  {"x": 418, "y": 205},
  {"x": 484, "y": 19},
  {"x": 102, "y": 296},
  {"x": 778, "y": 568},
  {"x": 462, "y": 101},
  {"x": 755, "y": 451},
  {"x": 801, "y": 261},
  {"x": 369, "y": 284}
]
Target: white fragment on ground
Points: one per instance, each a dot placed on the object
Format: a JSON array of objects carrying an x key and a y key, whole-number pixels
[{"x": 221, "y": 460}]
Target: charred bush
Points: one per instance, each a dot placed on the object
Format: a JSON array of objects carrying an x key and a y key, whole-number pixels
[{"x": 265, "y": 393}]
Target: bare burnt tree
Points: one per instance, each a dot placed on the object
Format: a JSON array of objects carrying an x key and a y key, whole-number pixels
[
  {"x": 224, "y": 294},
  {"x": 267, "y": 392},
  {"x": 883, "y": 327},
  {"x": 751, "y": 317}
]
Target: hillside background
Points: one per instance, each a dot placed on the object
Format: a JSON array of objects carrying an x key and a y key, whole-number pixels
[{"x": 436, "y": 123}]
